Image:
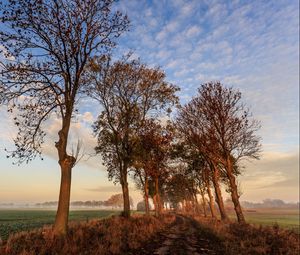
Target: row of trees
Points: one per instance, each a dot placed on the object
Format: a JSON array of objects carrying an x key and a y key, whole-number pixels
[
  {"x": 197, "y": 152},
  {"x": 115, "y": 201},
  {"x": 58, "y": 51}
]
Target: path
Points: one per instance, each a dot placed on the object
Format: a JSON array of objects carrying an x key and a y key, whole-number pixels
[{"x": 184, "y": 237}]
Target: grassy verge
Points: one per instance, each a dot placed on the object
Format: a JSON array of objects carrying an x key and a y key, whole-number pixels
[
  {"x": 249, "y": 239},
  {"x": 114, "y": 235}
]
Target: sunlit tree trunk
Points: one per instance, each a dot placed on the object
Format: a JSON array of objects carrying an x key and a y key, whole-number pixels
[
  {"x": 146, "y": 191},
  {"x": 157, "y": 198},
  {"x": 203, "y": 202},
  {"x": 196, "y": 204},
  {"x": 66, "y": 163},
  {"x": 234, "y": 192},
  {"x": 219, "y": 199},
  {"x": 211, "y": 200},
  {"x": 154, "y": 198}
]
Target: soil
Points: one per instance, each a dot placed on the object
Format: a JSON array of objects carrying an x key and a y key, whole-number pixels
[{"x": 184, "y": 236}]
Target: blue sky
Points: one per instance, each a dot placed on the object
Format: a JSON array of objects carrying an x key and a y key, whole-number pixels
[{"x": 250, "y": 45}]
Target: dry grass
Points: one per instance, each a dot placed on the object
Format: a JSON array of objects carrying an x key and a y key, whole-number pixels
[
  {"x": 251, "y": 240},
  {"x": 115, "y": 235}
]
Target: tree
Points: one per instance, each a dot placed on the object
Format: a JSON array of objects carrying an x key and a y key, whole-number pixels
[
  {"x": 233, "y": 129},
  {"x": 227, "y": 133},
  {"x": 116, "y": 201},
  {"x": 141, "y": 206},
  {"x": 47, "y": 45},
  {"x": 150, "y": 159},
  {"x": 129, "y": 92},
  {"x": 189, "y": 123}
]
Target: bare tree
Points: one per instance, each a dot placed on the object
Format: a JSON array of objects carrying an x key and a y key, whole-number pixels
[
  {"x": 129, "y": 92},
  {"x": 47, "y": 45}
]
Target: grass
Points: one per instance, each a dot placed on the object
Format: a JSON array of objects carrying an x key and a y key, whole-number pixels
[
  {"x": 285, "y": 218},
  {"x": 246, "y": 239},
  {"x": 114, "y": 235},
  {"x": 12, "y": 221}
]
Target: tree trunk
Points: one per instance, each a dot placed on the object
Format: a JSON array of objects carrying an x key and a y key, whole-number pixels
[
  {"x": 62, "y": 215},
  {"x": 196, "y": 203},
  {"x": 66, "y": 163},
  {"x": 157, "y": 198},
  {"x": 203, "y": 202},
  {"x": 146, "y": 196},
  {"x": 218, "y": 192},
  {"x": 234, "y": 193},
  {"x": 211, "y": 200},
  {"x": 155, "y": 205},
  {"x": 125, "y": 191}
]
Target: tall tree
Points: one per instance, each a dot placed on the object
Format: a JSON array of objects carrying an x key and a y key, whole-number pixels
[
  {"x": 190, "y": 124},
  {"x": 129, "y": 92},
  {"x": 227, "y": 133},
  {"x": 231, "y": 127},
  {"x": 47, "y": 45}
]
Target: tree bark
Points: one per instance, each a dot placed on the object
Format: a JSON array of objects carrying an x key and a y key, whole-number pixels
[
  {"x": 125, "y": 191},
  {"x": 66, "y": 163},
  {"x": 157, "y": 198},
  {"x": 155, "y": 205},
  {"x": 211, "y": 200},
  {"x": 62, "y": 215},
  {"x": 234, "y": 192},
  {"x": 146, "y": 191},
  {"x": 196, "y": 203},
  {"x": 203, "y": 202},
  {"x": 218, "y": 192}
]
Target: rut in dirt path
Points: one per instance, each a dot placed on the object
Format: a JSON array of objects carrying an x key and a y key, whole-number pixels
[{"x": 184, "y": 237}]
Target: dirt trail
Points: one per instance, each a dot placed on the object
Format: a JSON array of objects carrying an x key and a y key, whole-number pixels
[{"x": 183, "y": 237}]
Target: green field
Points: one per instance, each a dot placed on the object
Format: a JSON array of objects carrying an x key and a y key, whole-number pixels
[
  {"x": 285, "y": 218},
  {"x": 12, "y": 221}
]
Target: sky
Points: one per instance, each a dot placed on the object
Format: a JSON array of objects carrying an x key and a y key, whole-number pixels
[{"x": 252, "y": 46}]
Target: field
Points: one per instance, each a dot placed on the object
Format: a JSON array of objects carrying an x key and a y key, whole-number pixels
[
  {"x": 12, "y": 221},
  {"x": 285, "y": 218},
  {"x": 20, "y": 220}
]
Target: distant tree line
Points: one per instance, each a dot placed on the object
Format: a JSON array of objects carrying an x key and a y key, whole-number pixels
[
  {"x": 115, "y": 201},
  {"x": 270, "y": 203}
]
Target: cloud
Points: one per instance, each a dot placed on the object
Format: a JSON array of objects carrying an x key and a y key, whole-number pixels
[
  {"x": 106, "y": 189},
  {"x": 193, "y": 31},
  {"x": 275, "y": 171},
  {"x": 88, "y": 117}
]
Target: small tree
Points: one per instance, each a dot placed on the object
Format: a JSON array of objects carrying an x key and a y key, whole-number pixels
[
  {"x": 116, "y": 201},
  {"x": 47, "y": 45},
  {"x": 129, "y": 92}
]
